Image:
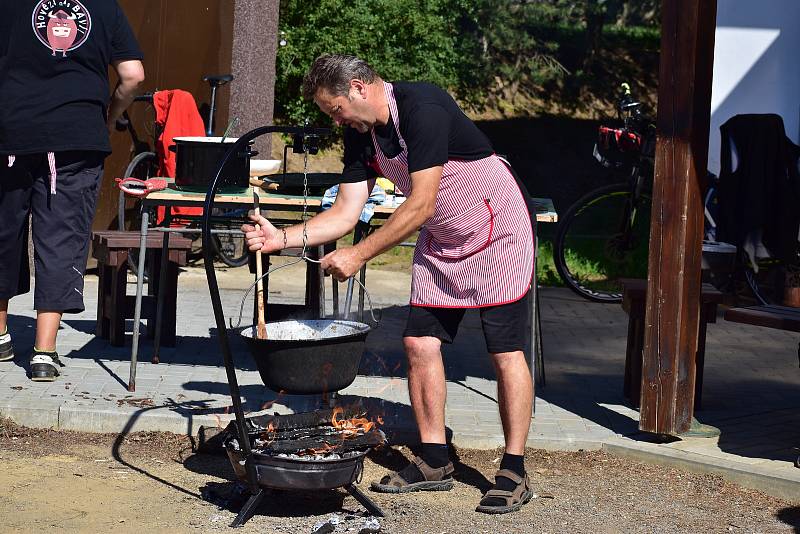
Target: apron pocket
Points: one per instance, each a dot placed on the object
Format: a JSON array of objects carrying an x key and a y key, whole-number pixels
[{"x": 464, "y": 234}]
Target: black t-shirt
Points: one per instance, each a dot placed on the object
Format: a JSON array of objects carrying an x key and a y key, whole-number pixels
[
  {"x": 54, "y": 58},
  {"x": 431, "y": 123}
]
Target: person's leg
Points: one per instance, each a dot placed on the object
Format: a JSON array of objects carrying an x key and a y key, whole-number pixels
[
  {"x": 514, "y": 397},
  {"x": 47, "y": 324},
  {"x": 3, "y": 315},
  {"x": 6, "y": 349},
  {"x": 61, "y": 225},
  {"x": 427, "y": 328},
  {"x": 15, "y": 195},
  {"x": 505, "y": 328},
  {"x": 426, "y": 386}
]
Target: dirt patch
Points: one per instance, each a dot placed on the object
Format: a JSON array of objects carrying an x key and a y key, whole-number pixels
[{"x": 155, "y": 482}]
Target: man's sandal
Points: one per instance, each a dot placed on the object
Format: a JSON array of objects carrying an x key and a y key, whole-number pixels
[
  {"x": 513, "y": 500},
  {"x": 435, "y": 479}
]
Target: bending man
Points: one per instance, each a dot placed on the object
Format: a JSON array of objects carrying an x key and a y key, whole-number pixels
[{"x": 475, "y": 250}]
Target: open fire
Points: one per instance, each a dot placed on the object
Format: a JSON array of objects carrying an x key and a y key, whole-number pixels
[{"x": 320, "y": 435}]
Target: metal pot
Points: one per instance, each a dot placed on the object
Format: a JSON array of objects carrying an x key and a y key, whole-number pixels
[
  {"x": 308, "y": 356},
  {"x": 198, "y": 160}
]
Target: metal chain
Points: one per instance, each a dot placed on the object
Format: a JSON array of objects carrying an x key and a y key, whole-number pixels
[{"x": 305, "y": 199}]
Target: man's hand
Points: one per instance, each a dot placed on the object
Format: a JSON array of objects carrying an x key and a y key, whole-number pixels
[
  {"x": 342, "y": 263},
  {"x": 264, "y": 237}
]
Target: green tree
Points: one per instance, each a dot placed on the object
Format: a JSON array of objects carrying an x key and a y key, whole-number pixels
[{"x": 401, "y": 39}]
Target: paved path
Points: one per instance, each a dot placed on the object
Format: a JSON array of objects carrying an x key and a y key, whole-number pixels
[{"x": 752, "y": 381}]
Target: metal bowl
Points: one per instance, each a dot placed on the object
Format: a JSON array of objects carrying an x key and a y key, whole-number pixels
[
  {"x": 308, "y": 356},
  {"x": 289, "y": 474}
]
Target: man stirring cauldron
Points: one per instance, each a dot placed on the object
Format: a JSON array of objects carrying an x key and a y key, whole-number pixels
[{"x": 475, "y": 250}]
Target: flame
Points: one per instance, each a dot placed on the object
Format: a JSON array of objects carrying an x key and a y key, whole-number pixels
[
  {"x": 324, "y": 449},
  {"x": 350, "y": 427},
  {"x": 269, "y": 433},
  {"x": 346, "y": 428}
]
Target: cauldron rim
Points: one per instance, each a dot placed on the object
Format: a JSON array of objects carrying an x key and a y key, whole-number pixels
[{"x": 360, "y": 329}]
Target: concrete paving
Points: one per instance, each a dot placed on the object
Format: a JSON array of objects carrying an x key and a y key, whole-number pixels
[{"x": 752, "y": 381}]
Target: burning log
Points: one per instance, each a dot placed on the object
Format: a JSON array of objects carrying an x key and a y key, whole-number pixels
[
  {"x": 317, "y": 433},
  {"x": 321, "y": 444},
  {"x": 299, "y": 420}
]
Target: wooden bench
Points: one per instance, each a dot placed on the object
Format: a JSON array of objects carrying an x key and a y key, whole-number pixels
[
  {"x": 634, "y": 299},
  {"x": 114, "y": 305},
  {"x": 768, "y": 316}
]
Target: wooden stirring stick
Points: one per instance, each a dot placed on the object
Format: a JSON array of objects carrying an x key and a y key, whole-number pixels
[{"x": 261, "y": 328}]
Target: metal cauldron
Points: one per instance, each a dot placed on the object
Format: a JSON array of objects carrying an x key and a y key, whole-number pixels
[{"x": 308, "y": 356}]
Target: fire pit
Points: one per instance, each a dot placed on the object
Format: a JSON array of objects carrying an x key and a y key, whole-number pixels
[
  {"x": 312, "y": 451},
  {"x": 317, "y": 450}
]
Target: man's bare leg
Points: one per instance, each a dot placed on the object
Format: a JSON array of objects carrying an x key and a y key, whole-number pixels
[
  {"x": 426, "y": 386},
  {"x": 6, "y": 348},
  {"x": 3, "y": 315},
  {"x": 47, "y": 324},
  {"x": 428, "y": 392},
  {"x": 514, "y": 397}
]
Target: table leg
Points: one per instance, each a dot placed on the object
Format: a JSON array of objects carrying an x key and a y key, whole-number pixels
[
  {"x": 358, "y": 234},
  {"x": 534, "y": 296},
  {"x": 162, "y": 283},
  {"x": 137, "y": 314},
  {"x": 539, "y": 345}
]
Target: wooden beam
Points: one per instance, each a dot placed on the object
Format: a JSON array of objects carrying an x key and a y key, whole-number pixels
[{"x": 673, "y": 290}]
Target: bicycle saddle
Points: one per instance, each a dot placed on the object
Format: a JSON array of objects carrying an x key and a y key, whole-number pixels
[
  {"x": 218, "y": 80},
  {"x": 140, "y": 188}
]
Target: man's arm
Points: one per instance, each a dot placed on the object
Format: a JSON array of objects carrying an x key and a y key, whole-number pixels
[
  {"x": 407, "y": 218},
  {"x": 325, "y": 227},
  {"x": 131, "y": 75}
]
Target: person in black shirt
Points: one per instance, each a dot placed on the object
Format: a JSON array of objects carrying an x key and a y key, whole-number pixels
[
  {"x": 475, "y": 250},
  {"x": 55, "y": 120}
]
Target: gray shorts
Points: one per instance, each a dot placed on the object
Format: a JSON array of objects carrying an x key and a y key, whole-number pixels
[{"x": 61, "y": 226}]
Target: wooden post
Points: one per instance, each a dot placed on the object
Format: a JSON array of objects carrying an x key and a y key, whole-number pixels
[{"x": 673, "y": 288}]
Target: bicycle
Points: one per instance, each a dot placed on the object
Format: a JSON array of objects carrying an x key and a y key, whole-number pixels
[
  {"x": 229, "y": 248},
  {"x": 604, "y": 236}
]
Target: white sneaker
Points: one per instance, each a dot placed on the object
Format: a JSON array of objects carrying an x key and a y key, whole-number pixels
[
  {"x": 44, "y": 366},
  {"x": 6, "y": 350}
]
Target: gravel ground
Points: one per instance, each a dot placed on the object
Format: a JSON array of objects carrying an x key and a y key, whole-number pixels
[{"x": 156, "y": 482}]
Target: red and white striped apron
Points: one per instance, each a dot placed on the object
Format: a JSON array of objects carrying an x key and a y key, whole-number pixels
[{"x": 477, "y": 248}]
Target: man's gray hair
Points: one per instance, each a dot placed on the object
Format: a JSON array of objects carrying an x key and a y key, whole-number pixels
[{"x": 333, "y": 73}]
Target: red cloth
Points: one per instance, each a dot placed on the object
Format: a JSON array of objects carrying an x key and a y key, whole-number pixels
[{"x": 177, "y": 115}]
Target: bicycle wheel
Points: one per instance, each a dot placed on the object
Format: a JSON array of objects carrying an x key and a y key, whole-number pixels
[
  {"x": 602, "y": 238},
  {"x": 143, "y": 166},
  {"x": 231, "y": 249},
  {"x": 766, "y": 284}
]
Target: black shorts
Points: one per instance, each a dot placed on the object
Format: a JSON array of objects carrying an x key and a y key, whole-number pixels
[
  {"x": 505, "y": 328},
  {"x": 61, "y": 226}
]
